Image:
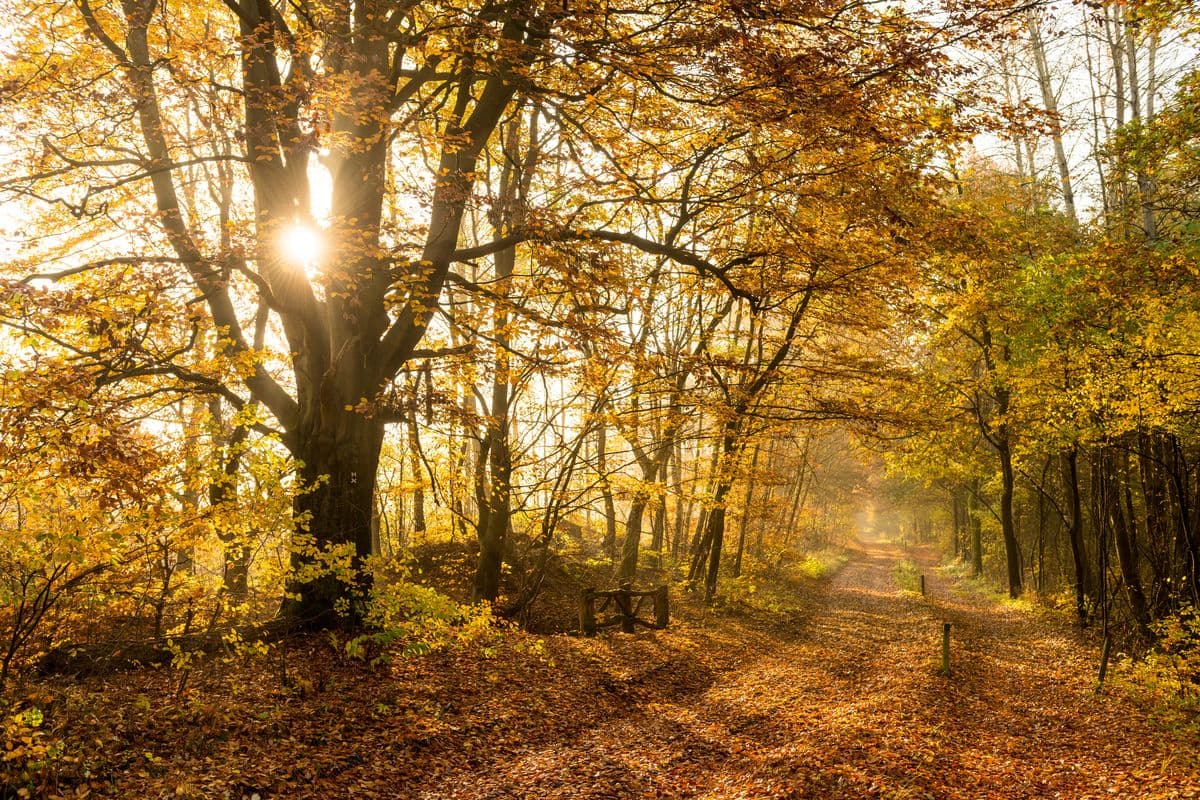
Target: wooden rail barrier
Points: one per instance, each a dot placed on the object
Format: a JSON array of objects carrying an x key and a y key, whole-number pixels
[{"x": 627, "y": 602}]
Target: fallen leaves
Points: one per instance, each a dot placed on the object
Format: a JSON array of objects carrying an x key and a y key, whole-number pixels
[{"x": 836, "y": 698}]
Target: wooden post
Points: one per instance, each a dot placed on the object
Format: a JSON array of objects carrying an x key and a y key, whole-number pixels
[
  {"x": 945, "y": 648},
  {"x": 662, "y": 610},
  {"x": 587, "y": 612},
  {"x": 922, "y": 586},
  {"x": 1104, "y": 651},
  {"x": 625, "y": 606}
]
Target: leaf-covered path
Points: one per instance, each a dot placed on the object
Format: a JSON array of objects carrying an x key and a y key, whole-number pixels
[
  {"x": 838, "y": 698},
  {"x": 849, "y": 704}
]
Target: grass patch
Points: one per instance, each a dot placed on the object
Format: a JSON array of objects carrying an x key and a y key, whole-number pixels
[
  {"x": 774, "y": 588},
  {"x": 821, "y": 563},
  {"x": 966, "y": 583},
  {"x": 907, "y": 576}
]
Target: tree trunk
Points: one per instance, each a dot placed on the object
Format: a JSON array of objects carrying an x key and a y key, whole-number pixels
[
  {"x": 955, "y": 524},
  {"x": 337, "y": 478},
  {"x": 496, "y": 512},
  {"x": 976, "y": 522},
  {"x": 414, "y": 454},
  {"x": 746, "y": 507},
  {"x": 1118, "y": 509},
  {"x": 633, "y": 535},
  {"x": 1050, "y": 102},
  {"x": 507, "y": 214},
  {"x": 1187, "y": 545},
  {"x": 679, "y": 524},
  {"x": 659, "y": 529},
  {"x": 1012, "y": 549},
  {"x": 710, "y": 545},
  {"x": 610, "y": 507},
  {"x": 1069, "y": 466},
  {"x": 797, "y": 497}
]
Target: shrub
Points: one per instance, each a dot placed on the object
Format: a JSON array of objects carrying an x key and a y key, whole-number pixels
[
  {"x": 31, "y": 757},
  {"x": 1171, "y": 671},
  {"x": 416, "y": 618}
]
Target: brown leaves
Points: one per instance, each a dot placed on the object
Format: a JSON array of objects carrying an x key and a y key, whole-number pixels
[{"x": 837, "y": 699}]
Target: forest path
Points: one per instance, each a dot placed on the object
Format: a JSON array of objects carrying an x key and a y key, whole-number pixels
[
  {"x": 835, "y": 695},
  {"x": 848, "y": 703}
]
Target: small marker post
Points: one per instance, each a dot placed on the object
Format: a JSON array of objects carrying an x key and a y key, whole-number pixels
[
  {"x": 946, "y": 648},
  {"x": 922, "y": 585}
]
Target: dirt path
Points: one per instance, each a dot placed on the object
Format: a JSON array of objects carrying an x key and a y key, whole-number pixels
[
  {"x": 839, "y": 698},
  {"x": 848, "y": 704}
]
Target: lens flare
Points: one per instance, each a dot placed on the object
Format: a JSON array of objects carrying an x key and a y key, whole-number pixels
[{"x": 301, "y": 244}]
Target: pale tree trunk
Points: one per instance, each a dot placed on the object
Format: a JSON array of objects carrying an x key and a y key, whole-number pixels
[
  {"x": 606, "y": 495},
  {"x": 1144, "y": 182},
  {"x": 1114, "y": 37},
  {"x": 1050, "y": 102}
]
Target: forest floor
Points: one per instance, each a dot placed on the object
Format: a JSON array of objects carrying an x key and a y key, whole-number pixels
[{"x": 838, "y": 695}]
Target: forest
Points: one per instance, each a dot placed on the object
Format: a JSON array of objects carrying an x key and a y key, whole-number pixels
[{"x": 360, "y": 356}]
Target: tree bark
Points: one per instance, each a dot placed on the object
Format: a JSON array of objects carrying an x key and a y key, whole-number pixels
[
  {"x": 1012, "y": 548},
  {"x": 334, "y": 507},
  {"x": 1118, "y": 510},
  {"x": 976, "y": 523},
  {"x": 1050, "y": 102},
  {"x": 1069, "y": 468}
]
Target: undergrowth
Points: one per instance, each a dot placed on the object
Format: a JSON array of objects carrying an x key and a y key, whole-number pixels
[
  {"x": 1167, "y": 679},
  {"x": 412, "y": 620},
  {"x": 770, "y": 587},
  {"x": 907, "y": 575},
  {"x": 821, "y": 563}
]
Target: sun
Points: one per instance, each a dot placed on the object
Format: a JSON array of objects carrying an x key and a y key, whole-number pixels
[{"x": 301, "y": 245}]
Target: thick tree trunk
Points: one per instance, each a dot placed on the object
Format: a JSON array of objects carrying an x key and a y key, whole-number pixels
[
  {"x": 716, "y": 525},
  {"x": 496, "y": 515},
  {"x": 706, "y": 558},
  {"x": 492, "y": 539},
  {"x": 333, "y": 511},
  {"x": 633, "y": 535}
]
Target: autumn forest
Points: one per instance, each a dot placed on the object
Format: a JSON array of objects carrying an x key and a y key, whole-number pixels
[{"x": 578, "y": 399}]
